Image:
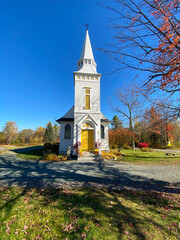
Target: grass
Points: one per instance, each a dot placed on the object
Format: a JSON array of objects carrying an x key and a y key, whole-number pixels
[
  {"x": 20, "y": 146},
  {"x": 87, "y": 214},
  {"x": 155, "y": 157},
  {"x": 36, "y": 154},
  {"x": 32, "y": 152},
  {"x": 130, "y": 157}
]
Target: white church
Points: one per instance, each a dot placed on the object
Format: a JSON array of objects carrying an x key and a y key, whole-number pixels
[{"x": 84, "y": 123}]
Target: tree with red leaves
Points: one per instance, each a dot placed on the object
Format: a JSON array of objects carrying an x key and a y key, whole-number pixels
[
  {"x": 147, "y": 39},
  {"x": 159, "y": 126},
  {"x": 119, "y": 137}
]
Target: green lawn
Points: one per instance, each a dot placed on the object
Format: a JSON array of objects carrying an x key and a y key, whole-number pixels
[
  {"x": 87, "y": 214},
  {"x": 21, "y": 146},
  {"x": 32, "y": 155},
  {"x": 155, "y": 157},
  {"x": 130, "y": 157}
]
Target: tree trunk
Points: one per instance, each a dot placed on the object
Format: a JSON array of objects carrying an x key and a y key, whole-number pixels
[{"x": 131, "y": 129}]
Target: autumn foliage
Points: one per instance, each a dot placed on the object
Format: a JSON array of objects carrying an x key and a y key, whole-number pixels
[
  {"x": 147, "y": 40},
  {"x": 142, "y": 145},
  {"x": 11, "y": 135},
  {"x": 156, "y": 128},
  {"x": 119, "y": 137},
  {"x": 168, "y": 51}
]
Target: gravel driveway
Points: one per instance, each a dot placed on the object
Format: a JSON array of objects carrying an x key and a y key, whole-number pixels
[{"x": 30, "y": 173}]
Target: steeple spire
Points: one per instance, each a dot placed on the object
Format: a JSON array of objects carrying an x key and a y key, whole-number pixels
[
  {"x": 86, "y": 61},
  {"x": 87, "y": 49}
]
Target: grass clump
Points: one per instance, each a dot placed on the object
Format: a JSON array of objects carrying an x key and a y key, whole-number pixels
[{"x": 87, "y": 213}]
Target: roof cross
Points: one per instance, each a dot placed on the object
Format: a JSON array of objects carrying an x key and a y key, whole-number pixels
[{"x": 87, "y": 26}]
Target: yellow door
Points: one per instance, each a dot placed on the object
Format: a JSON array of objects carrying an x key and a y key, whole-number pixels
[
  {"x": 90, "y": 140},
  {"x": 87, "y": 140}
]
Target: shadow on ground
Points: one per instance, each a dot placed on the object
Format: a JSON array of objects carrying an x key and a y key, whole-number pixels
[
  {"x": 28, "y": 173},
  {"x": 27, "y": 149},
  {"x": 92, "y": 210}
]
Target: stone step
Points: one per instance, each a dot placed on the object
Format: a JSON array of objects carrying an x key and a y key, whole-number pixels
[{"x": 88, "y": 156}]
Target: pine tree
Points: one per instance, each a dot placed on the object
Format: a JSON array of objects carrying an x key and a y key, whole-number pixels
[
  {"x": 49, "y": 134},
  {"x": 116, "y": 122}
]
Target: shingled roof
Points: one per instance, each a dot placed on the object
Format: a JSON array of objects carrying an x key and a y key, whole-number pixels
[{"x": 69, "y": 116}]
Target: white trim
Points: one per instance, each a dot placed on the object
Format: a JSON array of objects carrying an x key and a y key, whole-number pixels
[{"x": 85, "y": 116}]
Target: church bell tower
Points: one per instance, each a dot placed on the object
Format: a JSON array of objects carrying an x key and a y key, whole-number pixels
[{"x": 84, "y": 124}]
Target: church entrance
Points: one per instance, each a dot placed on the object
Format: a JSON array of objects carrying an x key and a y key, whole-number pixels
[{"x": 87, "y": 140}]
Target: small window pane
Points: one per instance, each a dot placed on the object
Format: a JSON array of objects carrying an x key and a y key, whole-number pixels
[
  {"x": 102, "y": 131},
  {"x": 67, "y": 132},
  {"x": 87, "y": 101},
  {"x": 88, "y": 91}
]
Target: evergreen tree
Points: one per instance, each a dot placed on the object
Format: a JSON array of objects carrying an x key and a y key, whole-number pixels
[
  {"x": 49, "y": 134},
  {"x": 116, "y": 122},
  {"x": 56, "y": 130}
]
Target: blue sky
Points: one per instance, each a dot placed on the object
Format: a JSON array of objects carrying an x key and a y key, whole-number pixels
[{"x": 40, "y": 44}]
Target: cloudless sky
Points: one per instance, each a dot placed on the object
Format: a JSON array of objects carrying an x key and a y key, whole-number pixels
[{"x": 40, "y": 44}]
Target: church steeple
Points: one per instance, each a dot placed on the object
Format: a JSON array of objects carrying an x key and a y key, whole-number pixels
[
  {"x": 87, "y": 49},
  {"x": 86, "y": 62}
]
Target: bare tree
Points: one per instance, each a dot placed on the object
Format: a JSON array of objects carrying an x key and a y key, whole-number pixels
[
  {"x": 129, "y": 107},
  {"x": 147, "y": 39}
]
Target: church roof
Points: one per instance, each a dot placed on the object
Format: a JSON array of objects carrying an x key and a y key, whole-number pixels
[
  {"x": 104, "y": 119},
  {"x": 69, "y": 116}
]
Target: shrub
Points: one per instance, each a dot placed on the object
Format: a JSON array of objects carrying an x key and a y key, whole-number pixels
[
  {"x": 110, "y": 155},
  {"x": 62, "y": 157},
  {"x": 53, "y": 157},
  {"x": 126, "y": 146},
  {"x": 144, "y": 149},
  {"x": 50, "y": 148},
  {"x": 119, "y": 137},
  {"x": 118, "y": 154},
  {"x": 142, "y": 145},
  {"x": 55, "y": 148},
  {"x": 177, "y": 144}
]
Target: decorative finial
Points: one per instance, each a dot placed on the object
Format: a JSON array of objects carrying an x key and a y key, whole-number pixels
[{"x": 87, "y": 26}]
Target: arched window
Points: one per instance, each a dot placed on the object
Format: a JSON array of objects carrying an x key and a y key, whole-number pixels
[
  {"x": 67, "y": 134},
  {"x": 102, "y": 131}
]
